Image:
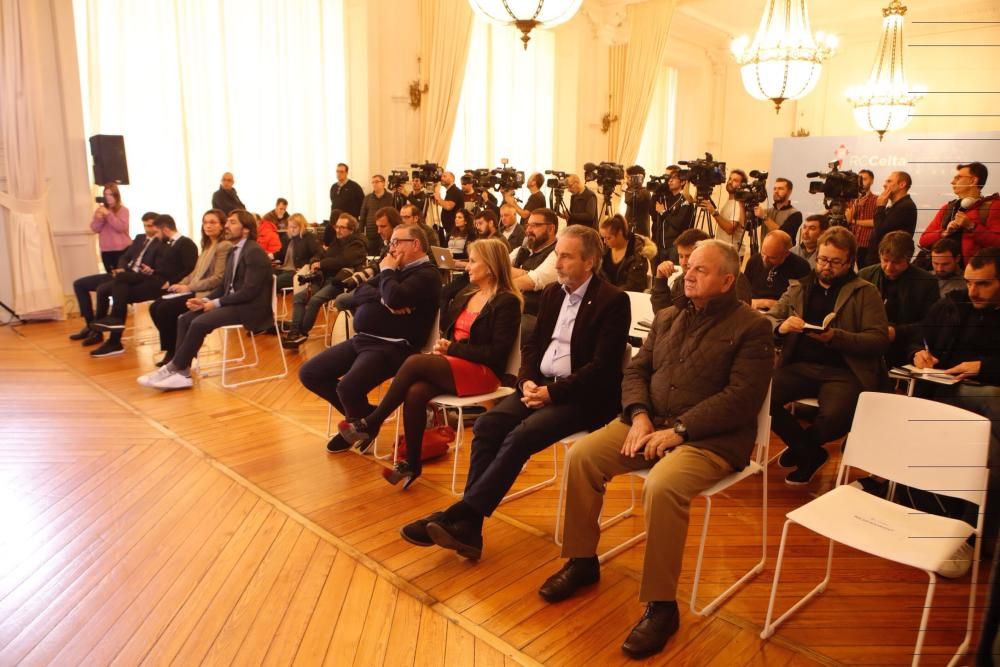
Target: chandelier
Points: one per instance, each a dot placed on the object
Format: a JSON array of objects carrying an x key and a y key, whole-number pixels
[
  {"x": 784, "y": 60},
  {"x": 885, "y": 102},
  {"x": 525, "y": 15}
]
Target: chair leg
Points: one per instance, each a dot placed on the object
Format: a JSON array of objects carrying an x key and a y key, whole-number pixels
[
  {"x": 561, "y": 503},
  {"x": 629, "y": 511},
  {"x": 966, "y": 641},
  {"x": 536, "y": 487},
  {"x": 924, "y": 617},
  {"x": 459, "y": 436},
  {"x": 769, "y": 627}
]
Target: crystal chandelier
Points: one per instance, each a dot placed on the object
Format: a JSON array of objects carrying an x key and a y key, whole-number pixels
[
  {"x": 525, "y": 15},
  {"x": 784, "y": 60},
  {"x": 885, "y": 102}
]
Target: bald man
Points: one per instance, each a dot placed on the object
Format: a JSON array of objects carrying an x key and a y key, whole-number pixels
[
  {"x": 771, "y": 271},
  {"x": 582, "y": 203},
  {"x": 225, "y": 198}
]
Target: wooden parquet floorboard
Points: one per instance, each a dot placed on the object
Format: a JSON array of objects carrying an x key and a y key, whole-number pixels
[{"x": 211, "y": 527}]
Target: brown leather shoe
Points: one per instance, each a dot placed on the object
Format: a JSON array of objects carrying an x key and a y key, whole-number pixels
[
  {"x": 650, "y": 635},
  {"x": 574, "y": 575}
]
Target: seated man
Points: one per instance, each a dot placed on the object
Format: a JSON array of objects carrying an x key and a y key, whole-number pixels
[
  {"x": 569, "y": 380},
  {"x": 690, "y": 400},
  {"x": 394, "y": 313},
  {"x": 486, "y": 222},
  {"x": 511, "y": 226},
  {"x": 535, "y": 263},
  {"x": 907, "y": 292},
  {"x": 176, "y": 258},
  {"x": 243, "y": 297},
  {"x": 141, "y": 250},
  {"x": 834, "y": 361},
  {"x": 809, "y": 234},
  {"x": 946, "y": 265},
  {"x": 772, "y": 269},
  {"x": 346, "y": 253},
  {"x": 410, "y": 214},
  {"x": 668, "y": 282}
]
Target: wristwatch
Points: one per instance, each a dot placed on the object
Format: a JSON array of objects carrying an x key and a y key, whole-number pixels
[{"x": 681, "y": 430}]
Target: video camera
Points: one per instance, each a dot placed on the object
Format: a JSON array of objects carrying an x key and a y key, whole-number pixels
[
  {"x": 559, "y": 182},
  {"x": 704, "y": 174},
  {"x": 838, "y": 187},
  {"x": 397, "y": 178},
  {"x": 607, "y": 174},
  {"x": 481, "y": 179},
  {"x": 429, "y": 172},
  {"x": 507, "y": 178},
  {"x": 753, "y": 192}
]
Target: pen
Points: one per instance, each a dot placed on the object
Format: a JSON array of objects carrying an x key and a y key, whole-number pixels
[{"x": 927, "y": 348}]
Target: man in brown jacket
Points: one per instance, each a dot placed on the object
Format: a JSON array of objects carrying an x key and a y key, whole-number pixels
[
  {"x": 690, "y": 400},
  {"x": 834, "y": 361}
]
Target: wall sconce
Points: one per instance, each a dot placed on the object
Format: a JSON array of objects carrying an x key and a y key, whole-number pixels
[
  {"x": 606, "y": 121},
  {"x": 416, "y": 92}
]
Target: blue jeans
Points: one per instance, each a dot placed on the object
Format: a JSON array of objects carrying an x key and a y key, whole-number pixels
[{"x": 305, "y": 308}]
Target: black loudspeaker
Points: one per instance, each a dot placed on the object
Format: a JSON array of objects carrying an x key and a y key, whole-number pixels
[{"x": 110, "y": 165}]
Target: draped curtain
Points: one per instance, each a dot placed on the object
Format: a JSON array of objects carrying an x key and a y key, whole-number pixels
[
  {"x": 616, "y": 96},
  {"x": 23, "y": 204},
  {"x": 649, "y": 23},
  {"x": 201, "y": 87},
  {"x": 445, "y": 31}
]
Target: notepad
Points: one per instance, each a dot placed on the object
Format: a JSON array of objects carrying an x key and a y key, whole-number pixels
[
  {"x": 815, "y": 327},
  {"x": 929, "y": 374}
]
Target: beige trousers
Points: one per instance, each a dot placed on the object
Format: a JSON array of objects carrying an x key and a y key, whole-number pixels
[{"x": 666, "y": 499}]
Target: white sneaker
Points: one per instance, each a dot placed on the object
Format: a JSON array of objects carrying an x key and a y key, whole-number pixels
[
  {"x": 959, "y": 563},
  {"x": 173, "y": 381},
  {"x": 153, "y": 376}
]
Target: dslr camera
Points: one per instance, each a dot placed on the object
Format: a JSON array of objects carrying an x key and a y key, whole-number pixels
[
  {"x": 429, "y": 172},
  {"x": 100, "y": 200},
  {"x": 704, "y": 174},
  {"x": 315, "y": 278},
  {"x": 397, "y": 178},
  {"x": 753, "y": 192}
]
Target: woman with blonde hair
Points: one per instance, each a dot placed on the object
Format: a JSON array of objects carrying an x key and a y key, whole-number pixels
[
  {"x": 303, "y": 247},
  {"x": 479, "y": 329}
]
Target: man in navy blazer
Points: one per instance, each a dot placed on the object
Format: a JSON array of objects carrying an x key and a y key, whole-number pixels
[{"x": 243, "y": 297}]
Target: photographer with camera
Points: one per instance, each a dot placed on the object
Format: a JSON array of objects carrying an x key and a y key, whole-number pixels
[
  {"x": 638, "y": 200},
  {"x": 582, "y": 204},
  {"x": 345, "y": 255},
  {"x": 417, "y": 196},
  {"x": 895, "y": 211},
  {"x": 110, "y": 223},
  {"x": 302, "y": 248},
  {"x": 398, "y": 179},
  {"x": 451, "y": 202},
  {"x": 346, "y": 195},
  {"x": 378, "y": 198},
  {"x": 781, "y": 215},
  {"x": 675, "y": 214},
  {"x": 535, "y": 200},
  {"x": 729, "y": 218},
  {"x": 475, "y": 191}
]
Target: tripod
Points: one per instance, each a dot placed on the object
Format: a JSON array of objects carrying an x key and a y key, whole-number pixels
[
  {"x": 751, "y": 228},
  {"x": 556, "y": 201},
  {"x": 13, "y": 315},
  {"x": 703, "y": 220},
  {"x": 606, "y": 209}
]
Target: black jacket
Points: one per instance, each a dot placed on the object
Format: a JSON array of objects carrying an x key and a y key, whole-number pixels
[
  {"x": 632, "y": 274},
  {"x": 251, "y": 286},
  {"x": 493, "y": 332},
  {"x": 583, "y": 209},
  {"x": 343, "y": 255},
  {"x": 227, "y": 201},
  {"x": 134, "y": 250},
  {"x": 305, "y": 249},
  {"x": 955, "y": 331},
  {"x": 678, "y": 217},
  {"x": 417, "y": 287},
  {"x": 176, "y": 259},
  {"x": 901, "y": 216},
  {"x": 345, "y": 199},
  {"x": 597, "y": 349}
]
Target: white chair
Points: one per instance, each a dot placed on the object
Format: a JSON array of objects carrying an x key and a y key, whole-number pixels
[
  {"x": 229, "y": 365},
  {"x": 919, "y": 443},
  {"x": 642, "y": 311},
  {"x": 757, "y": 465}
]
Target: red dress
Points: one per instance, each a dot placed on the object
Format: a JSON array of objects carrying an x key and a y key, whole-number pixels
[{"x": 470, "y": 378}]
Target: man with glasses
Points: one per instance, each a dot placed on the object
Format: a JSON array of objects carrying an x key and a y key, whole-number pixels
[
  {"x": 534, "y": 263},
  {"x": 972, "y": 220},
  {"x": 346, "y": 253},
  {"x": 773, "y": 269},
  {"x": 393, "y": 316},
  {"x": 833, "y": 330},
  {"x": 410, "y": 214},
  {"x": 378, "y": 198}
]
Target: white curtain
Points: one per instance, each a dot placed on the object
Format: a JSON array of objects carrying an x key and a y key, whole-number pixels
[
  {"x": 23, "y": 201},
  {"x": 657, "y": 147},
  {"x": 200, "y": 87},
  {"x": 506, "y": 109}
]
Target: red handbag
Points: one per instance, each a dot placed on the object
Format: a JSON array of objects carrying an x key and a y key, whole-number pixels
[{"x": 435, "y": 443}]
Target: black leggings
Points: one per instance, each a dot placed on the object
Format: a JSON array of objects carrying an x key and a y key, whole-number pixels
[{"x": 419, "y": 379}]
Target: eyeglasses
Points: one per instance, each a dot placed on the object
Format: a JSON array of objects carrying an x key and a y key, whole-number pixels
[
  {"x": 395, "y": 242},
  {"x": 344, "y": 227},
  {"x": 538, "y": 224},
  {"x": 834, "y": 263}
]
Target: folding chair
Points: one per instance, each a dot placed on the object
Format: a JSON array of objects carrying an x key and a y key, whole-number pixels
[
  {"x": 641, "y": 305},
  {"x": 900, "y": 438},
  {"x": 241, "y": 362}
]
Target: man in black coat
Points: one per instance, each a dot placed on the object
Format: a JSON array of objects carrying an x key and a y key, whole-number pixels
[
  {"x": 225, "y": 198},
  {"x": 895, "y": 212},
  {"x": 243, "y": 297},
  {"x": 570, "y": 380},
  {"x": 345, "y": 195}
]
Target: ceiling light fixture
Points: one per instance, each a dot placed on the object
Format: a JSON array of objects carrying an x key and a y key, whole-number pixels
[{"x": 526, "y": 15}]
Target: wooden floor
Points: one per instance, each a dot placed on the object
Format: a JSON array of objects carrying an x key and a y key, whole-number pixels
[{"x": 211, "y": 526}]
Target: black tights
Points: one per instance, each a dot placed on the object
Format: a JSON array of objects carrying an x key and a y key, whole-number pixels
[{"x": 419, "y": 379}]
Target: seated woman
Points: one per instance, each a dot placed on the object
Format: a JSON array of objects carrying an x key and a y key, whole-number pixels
[
  {"x": 205, "y": 277},
  {"x": 461, "y": 234},
  {"x": 480, "y": 329},
  {"x": 626, "y": 258},
  {"x": 303, "y": 247},
  {"x": 267, "y": 236}
]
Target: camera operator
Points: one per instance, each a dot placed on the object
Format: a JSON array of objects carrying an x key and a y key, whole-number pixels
[
  {"x": 729, "y": 219},
  {"x": 378, "y": 198},
  {"x": 895, "y": 211},
  {"x": 417, "y": 196},
  {"x": 535, "y": 200},
  {"x": 476, "y": 198},
  {"x": 510, "y": 228},
  {"x": 345, "y": 195},
  {"x": 781, "y": 215},
  {"x": 637, "y": 200},
  {"x": 675, "y": 214},
  {"x": 451, "y": 202},
  {"x": 582, "y": 204},
  {"x": 860, "y": 212},
  {"x": 346, "y": 254}
]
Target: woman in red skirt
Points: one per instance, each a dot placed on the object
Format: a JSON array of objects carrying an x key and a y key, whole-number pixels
[{"x": 480, "y": 327}]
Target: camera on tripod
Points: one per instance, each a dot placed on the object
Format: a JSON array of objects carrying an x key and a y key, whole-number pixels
[
  {"x": 505, "y": 179},
  {"x": 704, "y": 174},
  {"x": 607, "y": 174},
  {"x": 559, "y": 180},
  {"x": 397, "y": 178},
  {"x": 753, "y": 192},
  {"x": 838, "y": 187},
  {"x": 429, "y": 172}
]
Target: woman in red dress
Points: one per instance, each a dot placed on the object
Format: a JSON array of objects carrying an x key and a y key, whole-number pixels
[{"x": 479, "y": 329}]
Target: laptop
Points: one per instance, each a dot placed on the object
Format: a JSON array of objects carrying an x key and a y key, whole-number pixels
[{"x": 443, "y": 257}]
